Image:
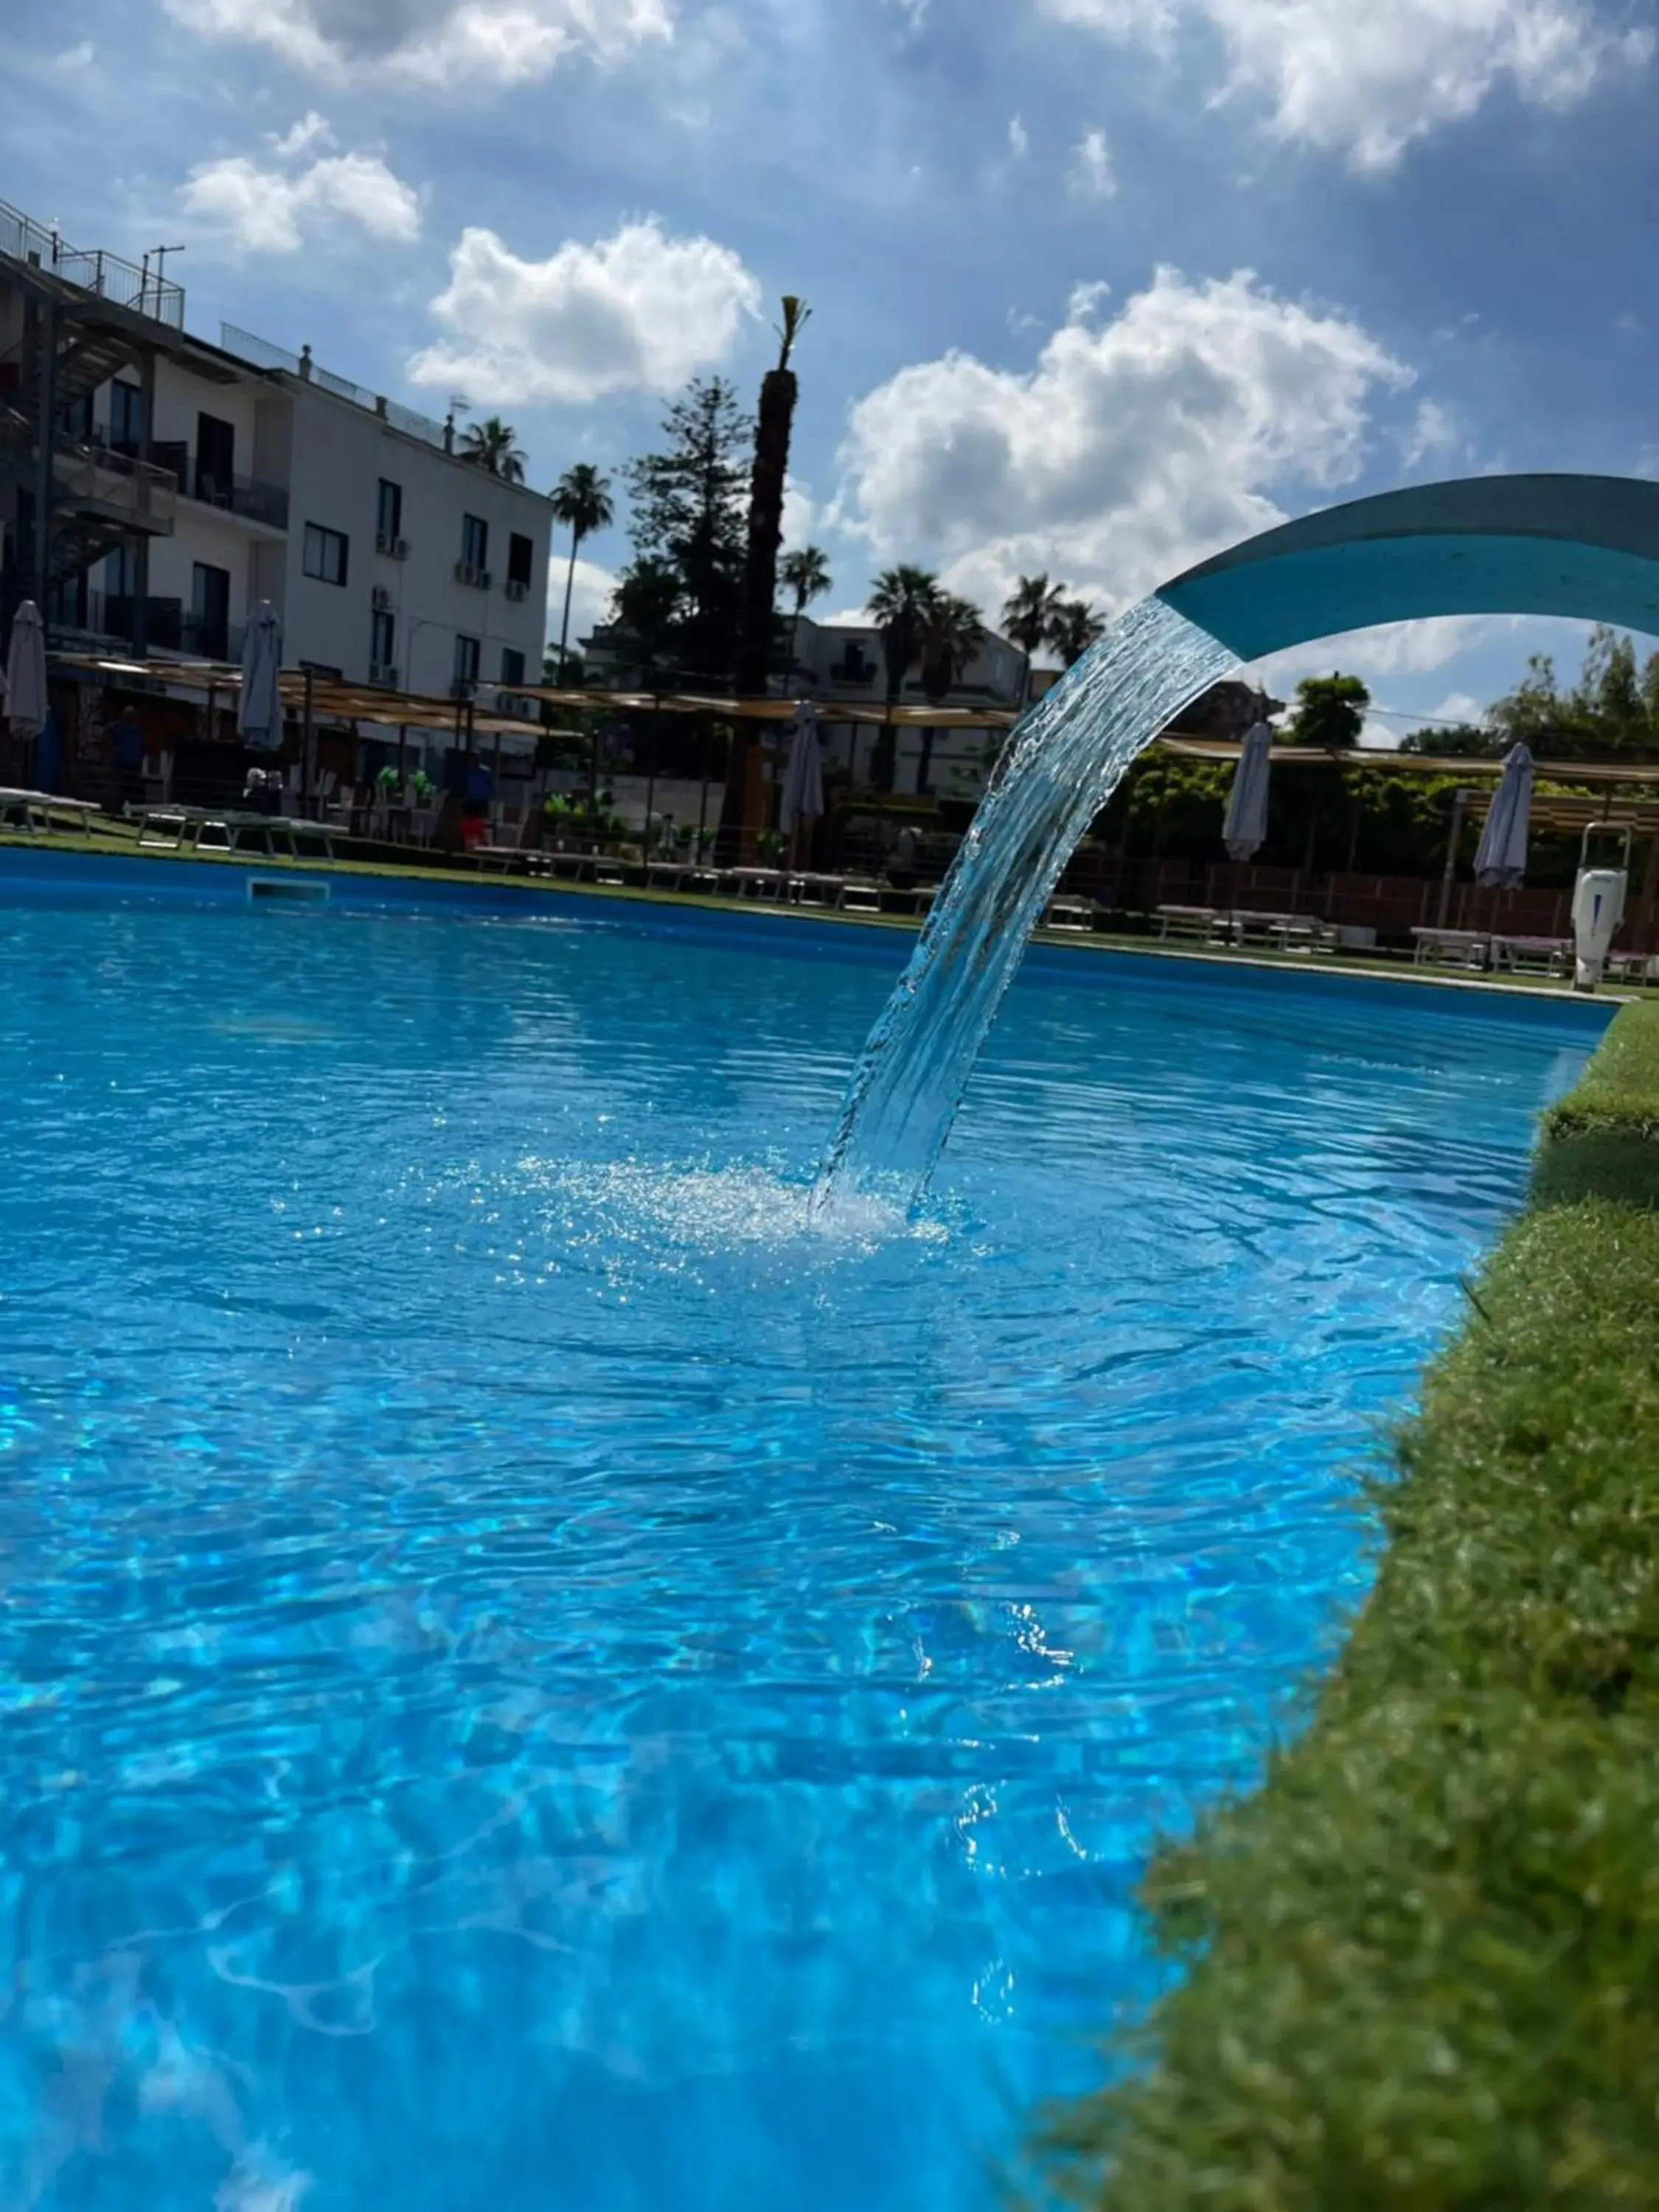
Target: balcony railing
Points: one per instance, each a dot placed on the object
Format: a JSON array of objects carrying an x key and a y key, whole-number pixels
[
  {"x": 248, "y": 496},
  {"x": 137, "y": 493},
  {"x": 107, "y": 275}
]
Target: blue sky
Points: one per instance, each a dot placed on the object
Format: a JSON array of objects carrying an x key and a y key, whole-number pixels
[{"x": 1098, "y": 285}]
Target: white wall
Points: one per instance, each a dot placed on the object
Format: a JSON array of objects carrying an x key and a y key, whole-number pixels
[
  {"x": 202, "y": 534},
  {"x": 340, "y": 453}
]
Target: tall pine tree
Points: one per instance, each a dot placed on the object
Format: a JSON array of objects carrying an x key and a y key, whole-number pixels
[{"x": 688, "y": 518}]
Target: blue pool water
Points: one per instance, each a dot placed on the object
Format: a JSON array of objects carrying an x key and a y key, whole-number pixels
[{"x": 532, "y": 1675}]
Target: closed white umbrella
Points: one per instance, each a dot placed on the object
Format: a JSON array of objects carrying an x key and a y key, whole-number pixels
[
  {"x": 1246, "y": 826},
  {"x": 259, "y": 710},
  {"x": 26, "y": 673},
  {"x": 803, "y": 779},
  {"x": 1501, "y": 861}
]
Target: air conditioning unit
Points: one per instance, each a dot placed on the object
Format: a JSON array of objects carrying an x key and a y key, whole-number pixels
[
  {"x": 517, "y": 591},
  {"x": 466, "y": 574},
  {"x": 381, "y": 599},
  {"x": 515, "y": 704},
  {"x": 382, "y": 672}
]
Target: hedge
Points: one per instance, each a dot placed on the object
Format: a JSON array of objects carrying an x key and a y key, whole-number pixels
[{"x": 1422, "y": 1958}]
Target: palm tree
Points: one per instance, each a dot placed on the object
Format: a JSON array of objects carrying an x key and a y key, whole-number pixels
[
  {"x": 901, "y": 601},
  {"x": 493, "y": 446},
  {"x": 581, "y": 500},
  {"x": 806, "y": 574},
  {"x": 1028, "y": 616},
  {"x": 756, "y": 623},
  {"x": 1074, "y": 628},
  {"x": 952, "y": 633}
]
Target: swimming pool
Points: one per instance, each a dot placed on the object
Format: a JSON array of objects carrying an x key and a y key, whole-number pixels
[{"x": 532, "y": 1677}]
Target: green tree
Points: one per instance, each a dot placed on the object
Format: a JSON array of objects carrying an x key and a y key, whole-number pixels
[
  {"x": 582, "y": 502},
  {"x": 1330, "y": 713},
  {"x": 688, "y": 518},
  {"x": 493, "y": 444},
  {"x": 1028, "y": 617},
  {"x": 901, "y": 601},
  {"x": 1073, "y": 627},
  {"x": 804, "y": 574}
]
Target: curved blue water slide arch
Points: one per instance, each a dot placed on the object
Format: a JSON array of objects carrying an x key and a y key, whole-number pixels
[
  {"x": 1578, "y": 546},
  {"x": 1563, "y": 545}
]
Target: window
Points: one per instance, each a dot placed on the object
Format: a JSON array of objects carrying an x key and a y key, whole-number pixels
[
  {"x": 383, "y": 639},
  {"x": 511, "y": 665},
  {"x": 325, "y": 554},
  {"x": 475, "y": 541},
  {"x": 520, "y": 553},
  {"x": 389, "y": 513},
  {"x": 215, "y": 459},
  {"x": 210, "y": 607},
  {"x": 126, "y": 407},
  {"x": 466, "y": 660}
]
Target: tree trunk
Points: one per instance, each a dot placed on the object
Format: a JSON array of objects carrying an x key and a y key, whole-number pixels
[
  {"x": 772, "y": 426},
  {"x": 569, "y": 586},
  {"x": 925, "y": 765}
]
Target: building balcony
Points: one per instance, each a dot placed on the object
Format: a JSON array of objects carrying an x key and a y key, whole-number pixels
[
  {"x": 248, "y": 498},
  {"x": 94, "y": 480}
]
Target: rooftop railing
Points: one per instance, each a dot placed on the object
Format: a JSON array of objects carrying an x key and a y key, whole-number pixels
[{"x": 125, "y": 284}]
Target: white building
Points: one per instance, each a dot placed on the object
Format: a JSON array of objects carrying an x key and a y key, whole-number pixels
[{"x": 187, "y": 480}]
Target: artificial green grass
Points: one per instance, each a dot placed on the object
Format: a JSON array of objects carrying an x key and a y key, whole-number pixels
[{"x": 1423, "y": 1958}]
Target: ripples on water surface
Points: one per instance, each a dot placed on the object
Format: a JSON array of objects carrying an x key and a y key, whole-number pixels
[{"x": 530, "y": 1673}]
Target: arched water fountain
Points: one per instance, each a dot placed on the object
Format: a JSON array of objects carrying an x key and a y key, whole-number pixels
[{"x": 1564, "y": 545}]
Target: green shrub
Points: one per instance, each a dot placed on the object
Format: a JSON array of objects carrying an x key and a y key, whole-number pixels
[{"x": 1423, "y": 1958}]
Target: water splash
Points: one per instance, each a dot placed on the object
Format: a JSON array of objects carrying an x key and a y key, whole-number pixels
[{"x": 1064, "y": 762}]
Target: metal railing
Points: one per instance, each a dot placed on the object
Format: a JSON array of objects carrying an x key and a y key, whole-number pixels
[
  {"x": 137, "y": 492},
  {"x": 125, "y": 284},
  {"x": 260, "y": 353}
]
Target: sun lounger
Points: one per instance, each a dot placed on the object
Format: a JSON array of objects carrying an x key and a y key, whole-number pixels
[
  {"x": 1200, "y": 923},
  {"x": 858, "y": 895},
  {"x": 1454, "y": 948},
  {"x": 757, "y": 883},
  {"x": 1531, "y": 956},
  {"x": 1069, "y": 914},
  {"x": 32, "y": 810}
]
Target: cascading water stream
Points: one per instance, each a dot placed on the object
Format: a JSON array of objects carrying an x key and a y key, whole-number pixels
[{"x": 1063, "y": 764}]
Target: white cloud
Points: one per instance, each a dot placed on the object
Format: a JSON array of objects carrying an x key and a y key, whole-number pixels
[
  {"x": 1363, "y": 81},
  {"x": 800, "y": 513},
  {"x": 1132, "y": 449},
  {"x": 1019, "y": 139},
  {"x": 1437, "y": 432},
  {"x": 437, "y": 42},
  {"x": 638, "y": 312},
  {"x": 311, "y": 130},
  {"x": 1457, "y": 707},
  {"x": 592, "y": 589},
  {"x": 278, "y": 210},
  {"x": 1091, "y": 167},
  {"x": 1389, "y": 651}
]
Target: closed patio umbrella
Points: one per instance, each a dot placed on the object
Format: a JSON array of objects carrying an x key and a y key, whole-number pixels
[
  {"x": 1246, "y": 825},
  {"x": 259, "y": 710},
  {"x": 1501, "y": 862},
  {"x": 26, "y": 673},
  {"x": 802, "y": 799}
]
